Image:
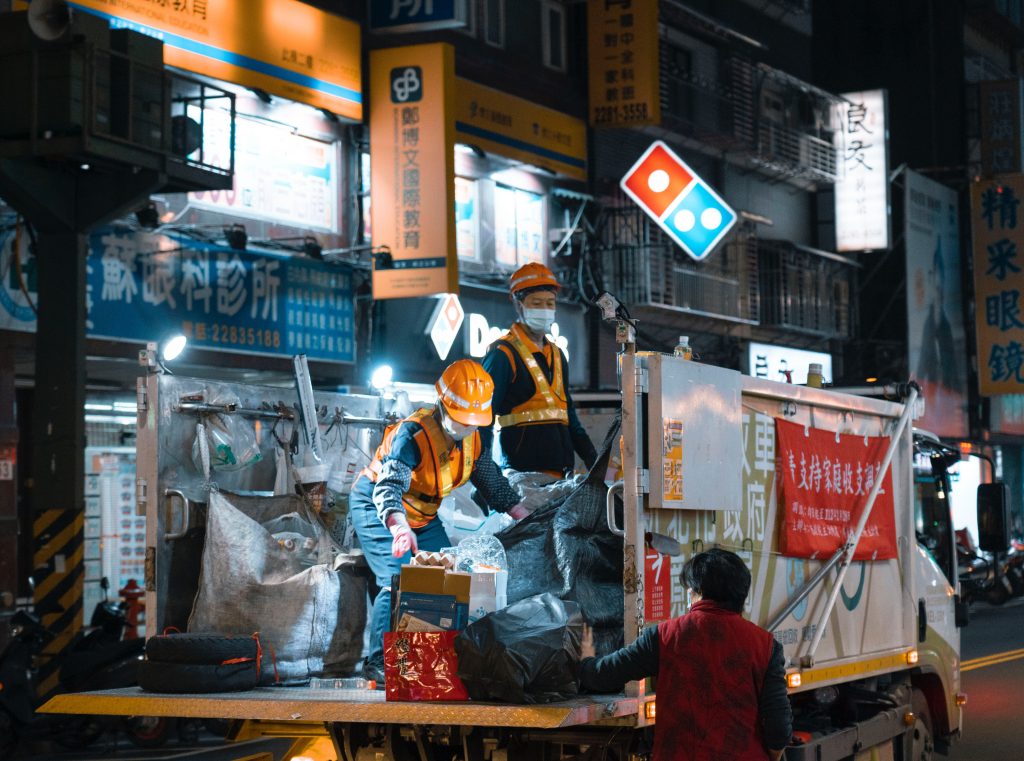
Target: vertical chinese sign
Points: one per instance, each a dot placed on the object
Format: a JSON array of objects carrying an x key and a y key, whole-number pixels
[
  {"x": 862, "y": 169},
  {"x": 412, "y": 161},
  {"x": 622, "y": 40},
  {"x": 999, "y": 103},
  {"x": 998, "y": 282},
  {"x": 936, "y": 342}
]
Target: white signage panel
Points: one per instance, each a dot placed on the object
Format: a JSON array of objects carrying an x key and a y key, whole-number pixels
[
  {"x": 786, "y": 365},
  {"x": 862, "y": 184}
]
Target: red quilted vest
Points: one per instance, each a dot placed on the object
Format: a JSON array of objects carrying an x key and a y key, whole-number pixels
[{"x": 712, "y": 664}]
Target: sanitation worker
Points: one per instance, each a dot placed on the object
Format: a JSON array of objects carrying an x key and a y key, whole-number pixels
[
  {"x": 721, "y": 679},
  {"x": 540, "y": 430},
  {"x": 421, "y": 459}
]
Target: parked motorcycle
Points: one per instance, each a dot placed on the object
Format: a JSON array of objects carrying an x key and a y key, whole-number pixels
[
  {"x": 984, "y": 577},
  {"x": 97, "y": 658}
]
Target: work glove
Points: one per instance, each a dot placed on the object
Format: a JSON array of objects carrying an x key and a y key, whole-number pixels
[
  {"x": 403, "y": 538},
  {"x": 519, "y": 511}
]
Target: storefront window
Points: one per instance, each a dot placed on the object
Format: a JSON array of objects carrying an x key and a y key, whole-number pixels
[
  {"x": 467, "y": 219},
  {"x": 518, "y": 226}
]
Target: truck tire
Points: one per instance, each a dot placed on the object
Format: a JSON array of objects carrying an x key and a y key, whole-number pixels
[
  {"x": 920, "y": 741},
  {"x": 199, "y": 649},
  {"x": 157, "y": 676}
]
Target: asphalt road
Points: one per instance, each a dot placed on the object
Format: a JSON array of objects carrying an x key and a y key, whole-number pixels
[{"x": 992, "y": 647}]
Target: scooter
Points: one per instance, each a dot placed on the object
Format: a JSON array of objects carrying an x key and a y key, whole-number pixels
[
  {"x": 981, "y": 578},
  {"x": 97, "y": 658}
]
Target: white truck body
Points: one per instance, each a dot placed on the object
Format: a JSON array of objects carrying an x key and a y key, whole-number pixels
[{"x": 892, "y": 629}]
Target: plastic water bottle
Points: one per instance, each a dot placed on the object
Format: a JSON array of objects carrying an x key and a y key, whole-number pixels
[
  {"x": 814, "y": 377},
  {"x": 683, "y": 348}
]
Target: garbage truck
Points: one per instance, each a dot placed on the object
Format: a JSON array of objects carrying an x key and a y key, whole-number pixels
[{"x": 836, "y": 503}]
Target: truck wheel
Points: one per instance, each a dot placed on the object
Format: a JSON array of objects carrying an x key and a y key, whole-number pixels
[
  {"x": 147, "y": 731},
  {"x": 921, "y": 746}
]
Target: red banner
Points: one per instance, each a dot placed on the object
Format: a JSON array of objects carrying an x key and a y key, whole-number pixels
[{"x": 824, "y": 485}]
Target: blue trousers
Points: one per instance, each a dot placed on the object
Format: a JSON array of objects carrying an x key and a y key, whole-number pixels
[{"x": 375, "y": 539}]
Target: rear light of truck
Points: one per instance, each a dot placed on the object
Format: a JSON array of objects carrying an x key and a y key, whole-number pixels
[{"x": 793, "y": 680}]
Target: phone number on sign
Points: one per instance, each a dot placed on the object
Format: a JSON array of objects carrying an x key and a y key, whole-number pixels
[
  {"x": 630, "y": 112},
  {"x": 232, "y": 335}
]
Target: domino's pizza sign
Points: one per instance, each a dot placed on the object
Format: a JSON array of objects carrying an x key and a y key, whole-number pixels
[{"x": 682, "y": 204}]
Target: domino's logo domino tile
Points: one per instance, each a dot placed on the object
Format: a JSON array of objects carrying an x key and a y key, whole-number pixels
[{"x": 682, "y": 203}]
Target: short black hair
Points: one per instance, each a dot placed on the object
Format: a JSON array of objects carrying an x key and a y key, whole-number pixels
[
  {"x": 524, "y": 292},
  {"x": 718, "y": 575}
]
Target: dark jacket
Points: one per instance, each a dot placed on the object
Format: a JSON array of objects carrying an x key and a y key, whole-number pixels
[{"x": 536, "y": 446}]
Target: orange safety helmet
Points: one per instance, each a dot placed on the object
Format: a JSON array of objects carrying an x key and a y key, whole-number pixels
[
  {"x": 533, "y": 275},
  {"x": 465, "y": 390}
]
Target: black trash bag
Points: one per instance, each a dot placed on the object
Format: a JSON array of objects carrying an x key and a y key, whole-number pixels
[
  {"x": 526, "y": 653},
  {"x": 566, "y": 548}
]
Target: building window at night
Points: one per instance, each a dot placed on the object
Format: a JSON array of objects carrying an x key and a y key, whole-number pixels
[
  {"x": 518, "y": 227},
  {"x": 553, "y": 35},
  {"x": 494, "y": 23},
  {"x": 470, "y": 27}
]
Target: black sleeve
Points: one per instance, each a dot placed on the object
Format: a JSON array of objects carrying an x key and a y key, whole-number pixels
[
  {"x": 773, "y": 708},
  {"x": 609, "y": 673},
  {"x": 492, "y": 484},
  {"x": 496, "y": 364},
  {"x": 581, "y": 442}
]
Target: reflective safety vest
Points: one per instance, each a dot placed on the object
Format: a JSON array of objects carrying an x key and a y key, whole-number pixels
[
  {"x": 432, "y": 479},
  {"x": 548, "y": 403}
]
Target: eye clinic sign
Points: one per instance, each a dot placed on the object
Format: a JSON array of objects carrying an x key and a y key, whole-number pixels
[{"x": 412, "y": 166}]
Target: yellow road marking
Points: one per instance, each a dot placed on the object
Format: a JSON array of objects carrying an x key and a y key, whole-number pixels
[{"x": 992, "y": 660}]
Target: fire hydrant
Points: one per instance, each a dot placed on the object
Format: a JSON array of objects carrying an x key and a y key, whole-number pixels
[{"x": 135, "y": 615}]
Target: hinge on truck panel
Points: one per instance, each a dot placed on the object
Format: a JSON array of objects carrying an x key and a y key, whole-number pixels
[
  {"x": 141, "y": 495},
  {"x": 642, "y": 385},
  {"x": 150, "y": 569},
  {"x": 140, "y": 395},
  {"x": 643, "y": 480}
]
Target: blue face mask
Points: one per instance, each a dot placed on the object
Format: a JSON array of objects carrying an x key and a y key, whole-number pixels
[{"x": 539, "y": 320}]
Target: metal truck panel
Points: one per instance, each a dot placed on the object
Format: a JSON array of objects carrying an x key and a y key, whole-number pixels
[
  {"x": 875, "y": 620},
  {"x": 694, "y": 434}
]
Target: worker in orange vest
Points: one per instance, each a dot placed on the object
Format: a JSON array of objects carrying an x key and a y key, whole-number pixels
[
  {"x": 394, "y": 500},
  {"x": 539, "y": 429}
]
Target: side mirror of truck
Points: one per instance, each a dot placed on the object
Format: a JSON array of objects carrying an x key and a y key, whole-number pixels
[{"x": 993, "y": 517}]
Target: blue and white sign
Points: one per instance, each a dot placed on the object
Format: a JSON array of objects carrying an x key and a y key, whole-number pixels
[
  {"x": 142, "y": 286},
  {"x": 416, "y": 15}
]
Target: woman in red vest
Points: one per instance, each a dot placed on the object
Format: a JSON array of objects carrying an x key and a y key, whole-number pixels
[
  {"x": 721, "y": 679},
  {"x": 394, "y": 501}
]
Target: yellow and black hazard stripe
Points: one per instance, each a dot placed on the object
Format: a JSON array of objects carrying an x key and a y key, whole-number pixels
[{"x": 59, "y": 572}]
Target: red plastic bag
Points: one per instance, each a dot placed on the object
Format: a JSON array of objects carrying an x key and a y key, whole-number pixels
[{"x": 422, "y": 666}]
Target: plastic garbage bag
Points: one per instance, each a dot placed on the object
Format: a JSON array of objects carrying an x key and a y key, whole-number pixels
[
  {"x": 525, "y": 653},
  {"x": 566, "y": 548},
  {"x": 476, "y": 551},
  {"x": 231, "y": 439},
  {"x": 539, "y": 489}
]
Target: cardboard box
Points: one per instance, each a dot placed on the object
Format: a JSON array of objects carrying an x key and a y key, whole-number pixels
[
  {"x": 458, "y": 584},
  {"x": 422, "y": 578}
]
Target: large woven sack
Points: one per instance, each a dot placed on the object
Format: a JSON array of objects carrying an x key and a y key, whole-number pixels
[{"x": 311, "y": 619}]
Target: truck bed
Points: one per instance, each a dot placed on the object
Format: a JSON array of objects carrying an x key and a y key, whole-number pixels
[{"x": 300, "y": 704}]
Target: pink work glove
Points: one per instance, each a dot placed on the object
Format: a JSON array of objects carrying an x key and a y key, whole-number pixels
[
  {"x": 403, "y": 538},
  {"x": 518, "y": 512}
]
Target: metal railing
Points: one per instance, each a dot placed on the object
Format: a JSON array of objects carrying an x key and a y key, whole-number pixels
[
  {"x": 647, "y": 269},
  {"x": 807, "y": 291},
  {"x": 111, "y": 101}
]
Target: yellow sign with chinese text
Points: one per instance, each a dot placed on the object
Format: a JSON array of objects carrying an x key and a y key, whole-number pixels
[
  {"x": 622, "y": 44},
  {"x": 285, "y": 47},
  {"x": 412, "y": 166},
  {"x": 997, "y": 224},
  {"x": 520, "y": 129}
]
